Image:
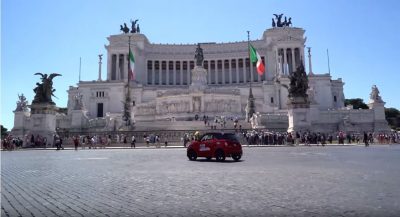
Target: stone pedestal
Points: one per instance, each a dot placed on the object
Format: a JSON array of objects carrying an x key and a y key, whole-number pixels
[
  {"x": 299, "y": 115},
  {"x": 199, "y": 79},
  {"x": 43, "y": 121},
  {"x": 20, "y": 125},
  {"x": 380, "y": 123},
  {"x": 78, "y": 119}
]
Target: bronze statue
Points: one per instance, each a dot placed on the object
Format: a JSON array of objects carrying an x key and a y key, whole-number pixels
[
  {"x": 199, "y": 55},
  {"x": 124, "y": 28},
  {"x": 273, "y": 23},
  {"x": 22, "y": 104},
  {"x": 44, "y": 91},
  {"x": 289, "y": 23},
  {"x": 278, "y": 20},
  {"x": 134, "y": 29},
  {"x": 138, "y": 28},
  {"x": 298, "y": 82},
  {"x": 285, "y": 23}
]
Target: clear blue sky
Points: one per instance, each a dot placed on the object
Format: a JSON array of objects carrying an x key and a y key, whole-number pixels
[{"x": 49, "y": 36}]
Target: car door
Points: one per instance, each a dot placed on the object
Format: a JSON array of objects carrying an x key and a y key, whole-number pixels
[{"x": 204, "y": 146}]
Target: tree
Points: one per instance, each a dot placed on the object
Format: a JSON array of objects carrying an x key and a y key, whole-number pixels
[
  {"x": 393, "y": 118},
  {"x": 357, "y": 103},
  {"x": 3, "y": 131}
]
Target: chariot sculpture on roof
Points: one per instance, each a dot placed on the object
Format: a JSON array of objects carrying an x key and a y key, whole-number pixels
[
  {"x": 134, "y": 27},
  {"x": 278, "y": 22}
]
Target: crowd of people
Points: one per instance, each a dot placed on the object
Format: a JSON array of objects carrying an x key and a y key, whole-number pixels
[
  {"x": 261, "y": 137},
  {"x": 247, "y": 137}
]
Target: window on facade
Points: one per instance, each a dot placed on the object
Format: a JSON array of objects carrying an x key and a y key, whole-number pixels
[
  {"x": 205, "y": 64},
  {"x": 334, "y": 99},
  {"x": 133, "y": 103},
  {"x": 272, "y": 100},
  {"x": 100, "y": 94}
]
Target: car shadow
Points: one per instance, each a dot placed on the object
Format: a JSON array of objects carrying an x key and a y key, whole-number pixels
[{"x": 215, "y": 161}]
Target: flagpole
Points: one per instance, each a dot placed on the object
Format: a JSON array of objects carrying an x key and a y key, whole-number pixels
[
  {"x": 127, "y": 105},
  {"x": 248, "y": 51},
  {"x": 129, "y": 58},
  {"x": 80, "y": 64},
  {"x": 250, "y": 101}
]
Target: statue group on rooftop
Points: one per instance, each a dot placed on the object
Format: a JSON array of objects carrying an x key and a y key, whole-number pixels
[
  {"x": 278, "y": 22},
  {"x": 134, "y": 27}
]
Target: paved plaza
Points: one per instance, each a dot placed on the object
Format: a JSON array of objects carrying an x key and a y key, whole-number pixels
[{"x": 268, "y": 181}]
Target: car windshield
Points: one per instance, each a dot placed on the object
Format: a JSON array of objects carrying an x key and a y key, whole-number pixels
[{"x": 227, "y": 136}]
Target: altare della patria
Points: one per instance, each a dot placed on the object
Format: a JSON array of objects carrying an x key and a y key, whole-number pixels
[{"x": 177, "y": 86}]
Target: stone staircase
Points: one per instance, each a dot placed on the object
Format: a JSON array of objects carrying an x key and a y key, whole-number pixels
[{"x": 185, "y": 125}]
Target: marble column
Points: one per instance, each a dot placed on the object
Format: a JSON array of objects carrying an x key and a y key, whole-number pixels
[
  {"x": 109, "y": 63},
  {"x": 118, "y": 71},
  {"x": 230, "y": 71},
  {"x": 209, "y": 72},
  {"x": 223, "y": 71},
  {"x": 284, "y": 62},
  {"x": 237, "y": 71},
  {"x": 245, "y": 73},
  {"x": 216, "y": 71},
  {"x": 309, "y": 62},
  {"x": 167, "y": 71},
  {"x": 293, "y": 61}
]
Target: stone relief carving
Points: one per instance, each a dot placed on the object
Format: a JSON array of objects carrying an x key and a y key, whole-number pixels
[
  {"x": 78, "y": 103},
  {"x": 218, "y": 105}
]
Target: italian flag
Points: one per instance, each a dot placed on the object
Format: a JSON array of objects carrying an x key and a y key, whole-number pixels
[
  {"x": 256, "y": 58},
  {"x": 131, "y": 65}
]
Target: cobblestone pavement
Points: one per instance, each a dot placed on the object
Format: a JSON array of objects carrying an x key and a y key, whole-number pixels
[{"x": 282, "y": 181}]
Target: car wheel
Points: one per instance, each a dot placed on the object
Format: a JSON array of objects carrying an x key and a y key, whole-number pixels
[
  {"x": 192, "y": 155},
  {"x": 219, "y": 155},
  {"x": 208, "y": 158},
  {"x": 236, "y": 157}
]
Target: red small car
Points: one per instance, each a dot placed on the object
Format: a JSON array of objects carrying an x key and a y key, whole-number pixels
[{"x": 218, "y": 145}]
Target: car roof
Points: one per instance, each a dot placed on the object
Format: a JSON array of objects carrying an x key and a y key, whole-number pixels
[{"x": 215, "y": 133}]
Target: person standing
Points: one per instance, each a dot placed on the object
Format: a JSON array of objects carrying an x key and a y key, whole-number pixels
[
  {"x": 366, "y": 139},
  {"x": 76, "y": 142},
  {"x": 133, "y": 142}
]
